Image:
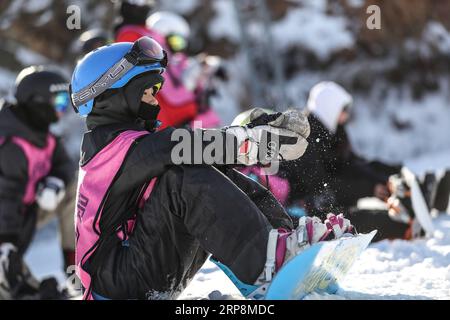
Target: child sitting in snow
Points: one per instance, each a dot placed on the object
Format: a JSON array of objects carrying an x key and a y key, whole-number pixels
[{"x": 145, "y": 225}]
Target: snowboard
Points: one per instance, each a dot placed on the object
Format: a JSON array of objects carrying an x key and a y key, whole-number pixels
[
  {"x": 318, "y": 269},
  {"x": 420, "y": 207}
]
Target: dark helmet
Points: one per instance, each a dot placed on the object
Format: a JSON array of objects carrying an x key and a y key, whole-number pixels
[
  {"x": 93, "y": 39},
  {"x": 38, "y": 85},
  {"x": 40, "y": 93},
  {"x": 136, "y": 11}
]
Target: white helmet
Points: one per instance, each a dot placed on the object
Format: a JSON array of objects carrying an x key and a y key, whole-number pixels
[
  {"x": 326, "y": 101},
  {"x": 167, "y": 23}
]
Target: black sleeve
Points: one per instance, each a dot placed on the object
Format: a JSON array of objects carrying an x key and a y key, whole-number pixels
[
  {"x": 13, "y": 181},
  {"x": 62, "y": 165},
  {"x": 151, "y": 156}
]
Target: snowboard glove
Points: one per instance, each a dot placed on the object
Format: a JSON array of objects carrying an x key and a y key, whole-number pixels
[
  {"x": 271, "y": 138},
  {"x": 50, "y": 193}
]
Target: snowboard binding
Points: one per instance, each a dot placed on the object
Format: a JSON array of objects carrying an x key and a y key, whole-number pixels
[
  {"x": 284, "y": 245},
  {"x": 412, "y": 200}
]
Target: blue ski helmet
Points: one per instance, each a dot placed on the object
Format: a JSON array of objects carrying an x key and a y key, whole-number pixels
[{"x": 112, "y": 67}]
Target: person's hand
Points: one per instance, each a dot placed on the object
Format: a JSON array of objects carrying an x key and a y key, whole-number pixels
[
  {"x": 292, "y": 120},
  {"x": 381, "y": 191},
  {"x": 50, "y": 193},
  {"x": 271, "y": 138}
]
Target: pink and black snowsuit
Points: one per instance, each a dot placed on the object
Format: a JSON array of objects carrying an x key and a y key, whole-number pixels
[
  {"x": 26, "y": 157},
  {"x": 133, "y": 247}
]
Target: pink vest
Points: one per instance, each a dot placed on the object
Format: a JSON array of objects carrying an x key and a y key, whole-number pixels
[
  {"x": 39, "y": 163},
  {"x": 278, "y": 186},
  {"x": 94, "y": 181},
  {"x": 206, "y": 120},
  {"x": 174, "y": 92}
]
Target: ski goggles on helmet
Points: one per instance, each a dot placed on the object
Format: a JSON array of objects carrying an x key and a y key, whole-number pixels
[
  {"x": 61, "y": 101},
  {"x": 176, "y": 42},
  {"x": 144, "y": 52}
]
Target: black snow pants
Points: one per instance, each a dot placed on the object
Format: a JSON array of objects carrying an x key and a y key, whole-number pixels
[{"x": 191, "y": 213}]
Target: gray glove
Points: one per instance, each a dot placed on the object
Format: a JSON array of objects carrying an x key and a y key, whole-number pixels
[
  {"x": 292, "y": 119},
  {"x": 271, "y": 138}
]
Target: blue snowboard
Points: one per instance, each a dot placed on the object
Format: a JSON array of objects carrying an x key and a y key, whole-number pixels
[{"x": 318, "y": 269}]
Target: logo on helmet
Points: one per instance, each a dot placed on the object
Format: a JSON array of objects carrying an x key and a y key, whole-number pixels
[
  {"x": 102, "y": 84},
  {"x": 57, "y": 87}
]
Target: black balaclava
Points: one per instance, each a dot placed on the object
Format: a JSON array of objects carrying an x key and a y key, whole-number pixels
[
  {"x": 124, "y": 105},
  {"x": 38, "y": 116}
]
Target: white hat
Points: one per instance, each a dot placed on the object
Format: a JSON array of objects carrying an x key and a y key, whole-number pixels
[
  {"x": 326, "y": 101},
  {"x": 166, "y": 23}
]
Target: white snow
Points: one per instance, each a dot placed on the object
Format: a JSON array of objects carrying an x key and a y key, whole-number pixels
[
  {"x": 29, "y": 57},
  {"x": 356, "y": 3},
  {"x": 10, "y": 13},
  {"x": 6, "y": 82},
  {"x": 225, "y": 22},
  {"x": 403, "y": 269},
  {"x": 44, "y": 256},
  {"x": 36, "y": 5},
  {"x": 437, "y": 35},
  {"x": 182, "y": 7},
  {"x": 44, "y": 18},
  {"x": 310, "y": 27},
  {"x": 427, "y": 124}
]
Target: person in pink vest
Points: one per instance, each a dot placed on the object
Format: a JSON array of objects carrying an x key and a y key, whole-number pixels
[
  {"x": 131, "y": 17},
  {"x": 181, "y": 104},
  {"x": 185, "y": 99},
  {"x": 148, "y": 216},
  {"x": 35, "y": 173}
]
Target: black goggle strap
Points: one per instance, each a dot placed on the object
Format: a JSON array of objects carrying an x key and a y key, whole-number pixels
[{"x": 102, "y": 84}]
